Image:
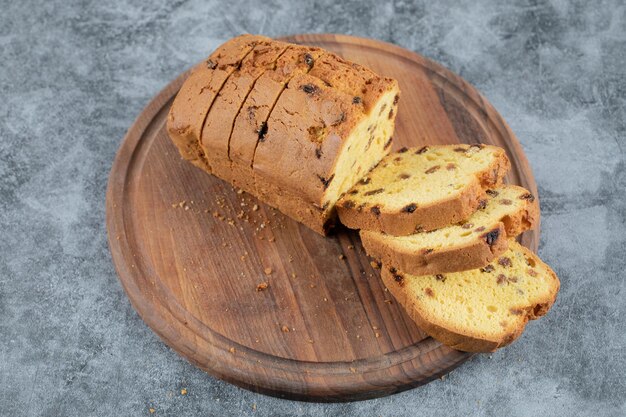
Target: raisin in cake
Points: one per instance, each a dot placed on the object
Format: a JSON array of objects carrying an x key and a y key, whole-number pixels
[
  {"x": 423, "y": 189},
  {"x": 473, "y": 243},
  {"x": 478, "y": 310}
]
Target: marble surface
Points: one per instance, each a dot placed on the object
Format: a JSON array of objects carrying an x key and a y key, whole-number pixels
[{"x": 75, "y": 74}]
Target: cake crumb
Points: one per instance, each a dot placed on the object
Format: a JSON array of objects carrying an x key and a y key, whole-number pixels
[
  {"x": 342, "y": 256},
  {"x": 262, "y": 286},
  {"x": 268, "y": 271},
  {"x": 388, "y": 301},
  {"x": 253, "y": 407},
  {"x": 353, "y": 370},
  {"x": 183, "y": 391},
  {"x": 255, "y": 207},
  {"x": 351, "y": 247},
  {"x": 377, "y": 335},
  {"x": 285, "y": 329},
  {"x": 232, "y": 350},
  {"x": 375, "y": 265},
  {"x": 152, "y": 410}
]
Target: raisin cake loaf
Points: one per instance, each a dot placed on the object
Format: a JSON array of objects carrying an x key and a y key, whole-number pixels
[
  {"x": 478, "y": 310},
  {"x": 423, "y": 189},
  {"x": 472, "y": 243},
  {"x": 317, "y": 130}
]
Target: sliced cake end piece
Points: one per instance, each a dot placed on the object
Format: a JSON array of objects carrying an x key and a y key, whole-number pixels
[
  {"x": 422, "y": 189},
  {"x": 507, "y": 212},
  {"x": 319, "y": 142},
  {"x": 478, "y": 310},
  {"x": 193, "y": 101}
]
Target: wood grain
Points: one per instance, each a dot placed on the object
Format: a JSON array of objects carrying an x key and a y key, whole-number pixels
[{"x": 190, "y": 252}]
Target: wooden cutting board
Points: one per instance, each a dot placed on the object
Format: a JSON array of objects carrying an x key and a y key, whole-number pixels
[{"x": 190, "y": 252}]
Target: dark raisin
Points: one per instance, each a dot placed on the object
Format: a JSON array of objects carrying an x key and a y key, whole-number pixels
[
  {"x": 318, "y": 153},
  {"x": 451, "y": 166},
  {"x": 427, "y": 251},
  {"x": 493, "y": 193},
  {"x": 397, "y": 159},
  {"x": 309, "y": 89},
  {"x": 421, "y": 150},
  {"x": 528, "y": 197},
  {"x": 482, "y": 204},
  {"x": 480, "y": 229},
  {"x": 357, "y": 100},
  {"x": 504, "y": 261},
  {"x": 429, "y": 292},
  {"x": 488, "y": 268},
  {"x": 492, "y": 237},
  {"x": 419, "y": 228},
  {"x": 506, "y": 202},
  {"x": 390, "y": 114},
  {"x": 382, "y": 109},
  {"x": 432, "y": 169},
  {"x": 395, "y": 99},
  {"x": 399, "y": 279},
  {"x": 348, "y": 204},
  {"x": 374, "y": 192},
  {"x": 375, "y": 210},
  {"x": 365, "y": 180},
  {"x": 501, "y": 279},
  {"x": 403, "y": 149},
  {"x": 353, "y": 192},
  {"x": 211, "y": 64},
  {"x": 308, "y": 60},
  {"x": 477, "y": 145},
  {"x": 516, "y": 311},
  {"x": 393, "y": 270},
  {"x": 410, "y": 208},
  {"x": 468, "y": 225},
  {"x": 388, "y": 143},
  {"x": 459, "y": 149},
  {"x": 405, "y": 176},
  {"x": 262, "y": 131},
  {"x": 325, "y": 181},
  {"x": 440, "y": 277}
]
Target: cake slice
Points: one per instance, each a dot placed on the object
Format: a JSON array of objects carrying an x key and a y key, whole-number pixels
[
  {"x": 251, "y": 122},
  {"x": 423, "y": 189},
  {"x": 221, "y": 117},
  {"x": 482, "y": 309},
  {"x": 473, "y": 243},
  {"x": 193, "y": 101},
  {"x": 319, "y": 142}
]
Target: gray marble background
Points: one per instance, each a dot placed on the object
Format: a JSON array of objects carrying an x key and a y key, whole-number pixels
[{"x": 75, "y": 74}]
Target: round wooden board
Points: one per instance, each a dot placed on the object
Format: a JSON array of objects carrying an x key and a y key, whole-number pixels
[{"x": 325, "y": 329}]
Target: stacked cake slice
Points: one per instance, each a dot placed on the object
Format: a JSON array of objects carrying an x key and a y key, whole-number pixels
[{"x": 443, "y": 226}]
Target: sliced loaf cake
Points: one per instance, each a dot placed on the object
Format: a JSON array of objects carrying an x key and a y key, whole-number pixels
[
  {"x": 482, "y": 309},
  {"x": 473, "y": 243},
  {"x": 423, "y": 189}
]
